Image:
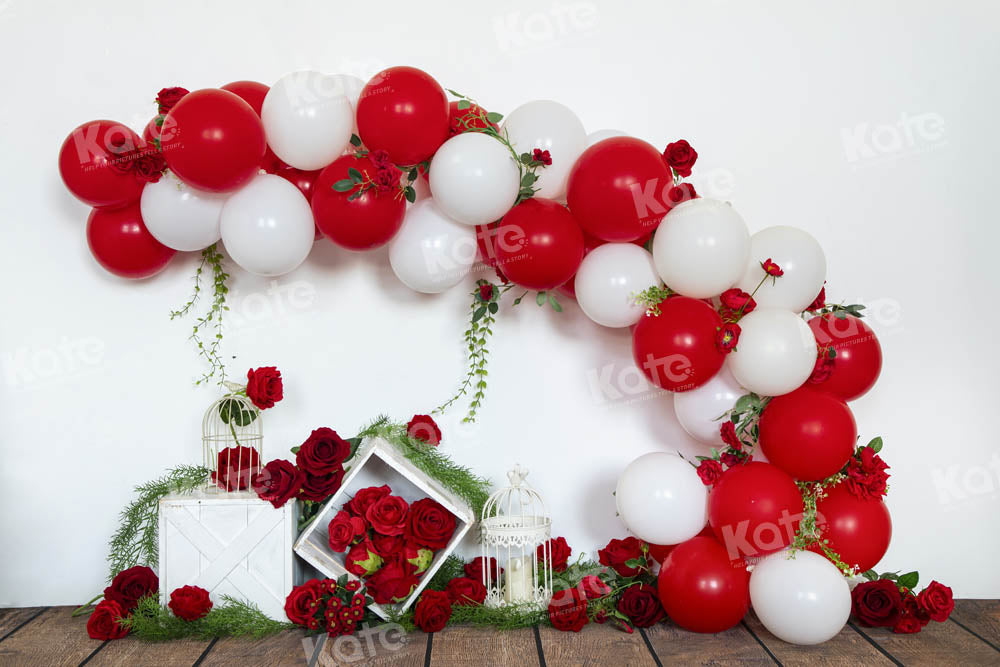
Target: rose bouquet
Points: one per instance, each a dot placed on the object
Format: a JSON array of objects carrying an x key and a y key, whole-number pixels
[{"x": 336, "y": 607}]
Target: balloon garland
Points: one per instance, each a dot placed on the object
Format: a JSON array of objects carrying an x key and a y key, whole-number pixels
[{"x": 735, "y": 325}]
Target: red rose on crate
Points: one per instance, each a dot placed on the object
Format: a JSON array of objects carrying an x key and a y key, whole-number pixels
[
  {"x": 168, "y": 97},
  {"x": 318, "y": 488},
  {"x": 422, "y": 427},
  {"x": 710, "y": 471},
  {"x": 264, "y": 387},
  {"x": 937, "y": 601},
  {"x": 559, "y": 552},
  {"x": 568, "y": 610},
  {"x": 877, "y": 603},
  {"x": 866, "y": 474},
  {"x": 363, "y": 559},
  {"x": 619, "y": 552},
  {"x": 641, "y": 604},
  {"x": 131, "y": 585},
  {"x": 432, "y": 611},
  {"x": 323, "y": 452},
  {"x": 474, "y": 569},
  {"x": 277, "y": 482},
  {"x": 235, "y": 467},
  {"x": 365, "y": 498},
  {"x": 593, "y": 587},
  {"x": 343, "y": 529},
  {"x": 418, "y": 557},
  {"x": 103, "y": 622},
  {"x": 429, "y": 524},
  {"x": 190, "y": 603},
  {"x": 393, "y": 581},
  {"x": 913, "y": 618},
  {"x": 388, "y": 515},
  {"x": 303, "y": 602},
  {"x": 464, "y": 591},
  {"x": 388, "y": 545},
  {"x": 681, "y": 157}
]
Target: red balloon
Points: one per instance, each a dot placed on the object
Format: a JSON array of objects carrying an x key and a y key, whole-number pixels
[
  {"x": 702, "y": 589},
  {"x": 859, "y": 355},
  {"x": 676, "y": 349},
  {"x": 86, "y": 159},
  {"x": 305, "y": 181},
  {"x": 486, "y": 243},
  {"x": 364, "y": 223},
  {"x": 807, "y": 433},
  {"x": 659, "y": 552},
  {"x": 253, "y": 93},
  {"x": 539, "y": 245},
  {"x": 858, "y": 529},
  {"x": 218, "y": 140},
  {"x": 120, "y": 242},
  {"x": 403, "y": 111},
  {"x": 618, "y": 189},
  {"x": 754, "y": 509}
]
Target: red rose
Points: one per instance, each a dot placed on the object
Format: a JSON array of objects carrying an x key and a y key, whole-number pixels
[
  {"x": 235, "y": 467},
  {"x": 936, "y": 600},
  {"x": 877, "y": 603},
  {"x": 486, "y": 292},
  {"x": 681, "y": 157},
  {"x": 465, "y": 591},
  {"x": 388, "y": 515},
  {"x": 363, "y": 559},
  {"x": 568, "y": 610},
  {"x": 538, "y": 155},
  {"x": 474, "y": 569},
  {"x": 388, "y": 545},
  {"x": 727, "y": 336},
  {"x": 264, "y": 386},
  {"x": 318, "y": 488},
  {"x": 771, "y": 269},
  {"x": 823, "y": 367},
  {"x": 423, "y": 428},
  {"x": 148, "y": 166},
  {"x": 277, "y": 482},
  {"x": 323, "y": 452},
  {"x": 380, "y": 158},
  {"x": 820, "y": 300},
  {"x": 190, "y": 603},
  {"x": 728, "y": 433},
  {"x": 593, "y": 587},
  {"x": 303, "y": 602},
  {"x": 103, "y": 622},
  {"x": 429, "y": 524},
  {"x": 710, "y": 471},
  {"x": 729, "y": 459},
  {"x": 394, "y": 581},
  {"x": 866, "y": 476},
  {"x": 432, "y": 611},
  {"x": 618, "y": 552},
  {"x": 168, "y": 97},
  {"x": 131, "y": 585},
  {"x": 386, "y": 178},
  {"x": 642, "y": 605},
  {"x": 343, "y": 529},
  {"x": 559, "y": 553},
  {"x": 734, "y": 299},
  {"x": 365, "y": 498},
  {"x": 913, "y": 618},
  {"x": 680, "y": 193}
]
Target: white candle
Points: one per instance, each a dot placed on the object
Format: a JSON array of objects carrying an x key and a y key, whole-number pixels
[{"x": 519, "y": 584}]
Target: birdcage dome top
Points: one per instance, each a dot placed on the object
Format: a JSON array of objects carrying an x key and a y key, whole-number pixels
[{"x": 516, "y": 508}]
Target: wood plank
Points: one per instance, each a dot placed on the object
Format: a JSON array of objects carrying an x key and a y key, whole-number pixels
[
  {"x": 937, "y": 644},
  {"x": 847, "y": 648},
  {"x": 131, "y": 651},
  {"x": 736, "y": 646},
  {"x": 54, "y": 638},
  {"x": 291, "y": 647},
  {"x": 597, "y": 645},
  {"x": 384, "y": 644},
  {"x": 12, "y": 617},
  {"x": 458, "y": 646},
  {"x": 981, "y": 617}
]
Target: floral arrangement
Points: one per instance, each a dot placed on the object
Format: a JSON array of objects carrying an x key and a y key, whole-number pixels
[
  {"x": 336, "y": 607},
  {"x": 889, "y": 601}
]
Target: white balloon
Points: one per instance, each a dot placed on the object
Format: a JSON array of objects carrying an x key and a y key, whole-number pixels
[
  {"x": 352, "y": 86},
  {"x": 803, "y": 600},
  {"x": 475, "y": 179},
  {"x": 699, "y": 410},
  {"x": 601, "y": 135},
  {"x": 308, "y": 119},
  {"x": 661, "y": 499},
  {"x": 776, "y": 352},
  {"x": 431, "y": 252},
  {"x": 267, "y": 226},
  {"x": 608, "y": 277},
  {"x": 553, "y": 127},
  {"x": 801, "y": 258},
  {"x": 701, "y": 248},
  {"x": 179, "y": 216}
]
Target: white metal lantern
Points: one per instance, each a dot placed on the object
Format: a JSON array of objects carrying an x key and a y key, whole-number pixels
[
  {"x": 514, "y": 525},
  {"x": 232, "y": 441}
]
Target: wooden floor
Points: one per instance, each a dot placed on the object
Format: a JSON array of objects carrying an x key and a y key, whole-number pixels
[{"x": 50, "y": 636}]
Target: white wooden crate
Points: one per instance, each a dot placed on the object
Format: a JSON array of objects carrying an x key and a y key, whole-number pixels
[
  {"x": 229, "y": 544},
  {"x": 379, "y": 462}
]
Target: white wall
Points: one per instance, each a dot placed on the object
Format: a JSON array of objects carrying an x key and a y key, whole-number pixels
[{"x": 794, "y": 108}]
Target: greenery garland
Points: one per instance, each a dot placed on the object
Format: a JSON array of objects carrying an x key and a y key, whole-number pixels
[
  {"x": 152, "y": 622},
  {"x": 211, "y": 352}
]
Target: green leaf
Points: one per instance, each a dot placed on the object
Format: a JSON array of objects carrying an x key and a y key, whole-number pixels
[
  {"x": 494, "y": 117},
  {"x": 876, "y": 444},
  {"x": 635, "y": 563},
  {"x": 870, "y": 575},
  {"x": 355, "y": 140},
  {"x": 554, "y": 303},
  {"x": 528, "y": 180},
  {"x": 454, "y": 93},
  {"x": 909, "y": 580},
  {"x": 479, "y": 313},
  {"x": 410, "y": 194},
  {"x": 355, "y": 195},
  {"x": 494, "y": 307},
  {"x": 464, "y": 104},
  {"x": 413, "y": 174},
  {"x": 540, "y": 298},
  {"x": 296, "y": 448},
  {"x": 517, "y": 301},
  {"x": 355, "y": 175},
  {"x": 343, "y": 185},
  {"x": 237, "y": 412}
]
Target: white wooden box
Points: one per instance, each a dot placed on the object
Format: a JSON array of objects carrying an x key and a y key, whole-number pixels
[
  {"x": 379, "y": 462},
  {"x": 229, "y": 544}
]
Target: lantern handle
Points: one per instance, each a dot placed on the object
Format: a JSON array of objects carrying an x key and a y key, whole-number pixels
[{"x": 517, "y": 475}]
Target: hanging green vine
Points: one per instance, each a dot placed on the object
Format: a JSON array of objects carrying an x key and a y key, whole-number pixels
[{"x": 211, "y": 322}]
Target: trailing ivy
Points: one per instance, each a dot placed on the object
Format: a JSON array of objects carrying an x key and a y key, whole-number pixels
[{"x": 210, "y": 351}]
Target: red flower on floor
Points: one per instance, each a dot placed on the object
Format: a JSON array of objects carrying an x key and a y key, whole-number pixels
[
  {"x": 190, "y": 603},
  {"x": 593, "y": 587},
  {"x": 618, "y": 553},
  {"x": 131, "y": 585},
  {"x": 568, "y": 610},
  {"x": 937, "y": 601},
  {"x": 103, "y": 622},
  {"x": 641, "y": 604},
  {"x": 877, "y": 603},
  {"x": 465, "y": 591},
  {"x": 432, "y": 611}
]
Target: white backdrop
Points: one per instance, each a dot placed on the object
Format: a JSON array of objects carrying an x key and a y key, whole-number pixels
[{"x": 869, "y": 124}]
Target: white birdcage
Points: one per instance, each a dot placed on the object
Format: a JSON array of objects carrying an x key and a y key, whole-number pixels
[
  {"x": 514, "y": 525},
  {"x": 232, "y": 441}
]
